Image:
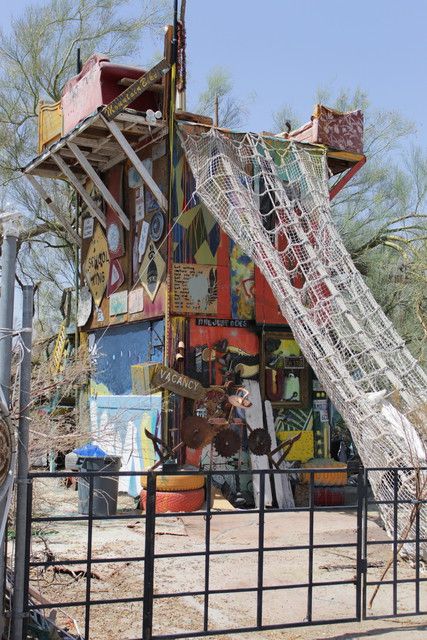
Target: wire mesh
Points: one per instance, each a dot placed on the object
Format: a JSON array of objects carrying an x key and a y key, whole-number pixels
[{"x": 271, "y": 197}]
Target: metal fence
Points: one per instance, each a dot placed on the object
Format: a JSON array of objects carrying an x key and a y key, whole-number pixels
[{"x": 356, "y": 545}]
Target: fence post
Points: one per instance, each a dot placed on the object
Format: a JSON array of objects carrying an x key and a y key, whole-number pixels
[
  {"x": 360, "y": 561},
  {"x": 150, "y": 531},
  {"x": 364, "y": 552},
  {"x": 8, "y": 264},
  {"x": 27, "y": 554},
  {"x": 18, "y": 602}
]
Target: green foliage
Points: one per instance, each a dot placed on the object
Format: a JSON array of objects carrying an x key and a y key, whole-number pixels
[
  {"x": 37, "y": 57},
  {"x": 382, "y": 215},
  {"x": 231, "y": 111}
]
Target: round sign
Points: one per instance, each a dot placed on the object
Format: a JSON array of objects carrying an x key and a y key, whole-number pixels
[
  {"x": 113, "y": 237},
  {"x": 157, "y": 226}
]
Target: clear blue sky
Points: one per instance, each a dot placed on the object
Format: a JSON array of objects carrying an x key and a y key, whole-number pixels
[{"x": 283, "y": 51}]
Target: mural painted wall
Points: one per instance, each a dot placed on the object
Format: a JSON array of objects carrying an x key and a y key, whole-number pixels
[
  {"x": 219, "y": 352},
  {"x": 119, "y": 419}
]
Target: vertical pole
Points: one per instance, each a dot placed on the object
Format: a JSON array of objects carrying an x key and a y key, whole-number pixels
[
  {"x": 216, "y": 118},
  {"x": 261, "y": 522},
  {"x": 28, "y": 524},
  {"x": 207, "y": 549},
  {"x": 171, "y": 139},
  {"x": 9, "y": 250},
  {"x": 310, "y": 549},
  {"x": 359, "y": 549},
  {"x": 150, "y": 531},
  {"x": 18, "y": 604},
  {"x": 365, "y": 541},
  {"x": 395, "y": 536},
  {"x": 88, "y": 557}
]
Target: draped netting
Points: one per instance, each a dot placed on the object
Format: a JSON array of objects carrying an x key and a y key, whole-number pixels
[{"x": 271, "y": 196}]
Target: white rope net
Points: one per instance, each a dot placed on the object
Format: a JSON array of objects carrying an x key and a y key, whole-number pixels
[{"x": 271, "y": 197}]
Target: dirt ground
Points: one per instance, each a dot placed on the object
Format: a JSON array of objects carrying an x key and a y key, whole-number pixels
[{"x": 228, "y": 531}]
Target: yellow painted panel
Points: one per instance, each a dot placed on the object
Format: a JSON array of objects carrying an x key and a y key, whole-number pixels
[
  {"x": 50, "y": 124},
  {"x": 302, "y": 449}
]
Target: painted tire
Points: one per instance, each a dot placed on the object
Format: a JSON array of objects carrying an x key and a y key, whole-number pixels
[
  {"x": 175, "y": 501},
  {"x": 176, "y": 483},
  {"x": 329, "y": 497}
]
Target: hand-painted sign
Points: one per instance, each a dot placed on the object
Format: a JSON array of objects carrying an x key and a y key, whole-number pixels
[
  {"x": 88, "y": 228},
  {"x": 136, "y": 300},
  {"x": 97, "y": 265},
  {"x": 220, "y": 322},
  {"x": 152, "y": 270},
  {"x": 130, "y": 94},
  {"x": 149, "y": 377},
  {"x": 116, "y": 277},
  {"x": 118, "y": 303},
  {"x": 177, "y": 383}
]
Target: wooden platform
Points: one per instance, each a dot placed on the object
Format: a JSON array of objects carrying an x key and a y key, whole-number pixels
[{"x": 96, "y": 141}]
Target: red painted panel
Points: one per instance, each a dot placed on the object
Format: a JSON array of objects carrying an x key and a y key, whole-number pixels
[
  {"x": 216, "y": 351},
  {"x": 267, "y": 309},
  {"x": 97, "y": 85}
]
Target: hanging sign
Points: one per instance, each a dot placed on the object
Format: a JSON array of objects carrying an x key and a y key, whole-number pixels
[
  {"x": 118, "y": 303},
  {"x": 151, "y": 271},
  {"x": 157, "y": 226},
  {"x": 136, "y": 300},
  {"x": 148, "y": 377},
  {"x": 88, "y": 227},
  {"x": 97, "y": 265},
  {"x": 139, "y": 204},
  {"x": 130, "y": 94},
  {"x": 143, "y": 238},
  {"x": 115, "y": 277},
  {"x": 115, "y": 238}
]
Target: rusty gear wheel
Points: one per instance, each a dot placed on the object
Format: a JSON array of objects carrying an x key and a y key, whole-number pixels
[
  {"x": 259, "y": 442},
  {"x": 196, "y": 432},
  {"x": 227, "y": 442}
]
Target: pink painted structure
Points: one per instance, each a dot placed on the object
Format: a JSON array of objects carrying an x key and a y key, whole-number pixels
[{"x": 98, "y": 84}]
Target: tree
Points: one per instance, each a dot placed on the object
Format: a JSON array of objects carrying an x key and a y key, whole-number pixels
[
  {"x": 231, "y": 110},
  {"x": 381, "y": 215},
  {"x": 37, "y": 57}
]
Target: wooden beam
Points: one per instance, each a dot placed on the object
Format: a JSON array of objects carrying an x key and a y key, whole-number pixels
[
  {"x": 346, "y": 178},
  {"x": 85, "y": 164},
  {"x": 72, "y": 234},
  {"x": 136, "y": 162},
  {"x": 126, "y": 82},
  {"x": 94, "y": 210}
]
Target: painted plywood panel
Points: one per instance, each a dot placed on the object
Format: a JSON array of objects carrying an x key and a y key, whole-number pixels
[
  {"x": 195, "y": 289},
  {"x": 218, "y": 351},
  {"x": 267, "y": 309},
  {"x": 118, "y": 426},
  {"x": 117, "y": 349}
]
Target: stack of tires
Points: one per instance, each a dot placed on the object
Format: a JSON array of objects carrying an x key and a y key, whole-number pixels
[
  {"x": 175, "y": 493},
  {"x": 328, "y": 486}
]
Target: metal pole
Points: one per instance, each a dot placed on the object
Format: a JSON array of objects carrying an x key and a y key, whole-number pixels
[
  {"x": 9, "y": 250},
  {"x": 18, "y": 604},
  {"x": 11, "y": 234}
]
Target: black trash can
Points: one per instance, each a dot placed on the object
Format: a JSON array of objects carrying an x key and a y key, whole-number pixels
[{"x": 105, "y": 488}]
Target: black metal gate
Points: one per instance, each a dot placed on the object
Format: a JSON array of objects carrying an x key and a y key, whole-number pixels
[{"x": 356, "y": 545}]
